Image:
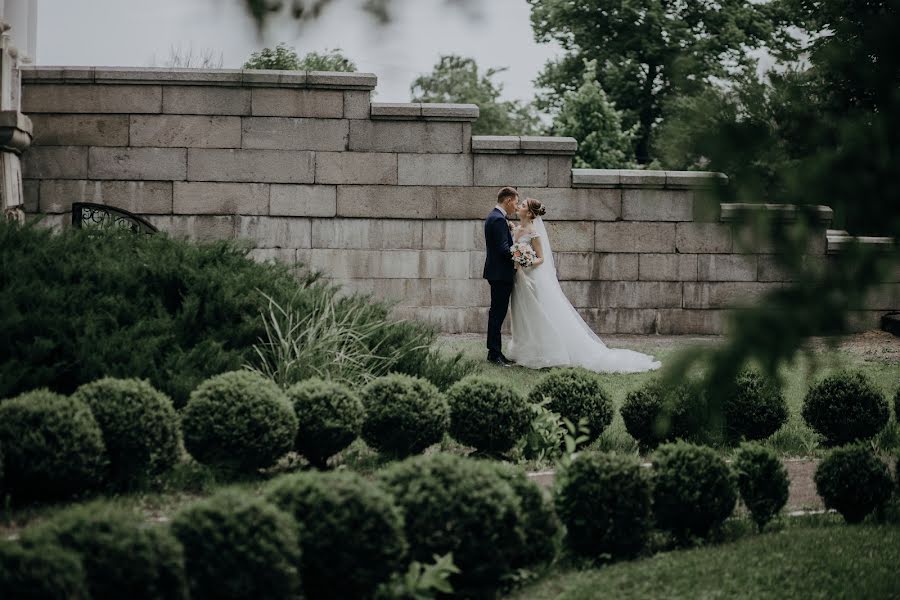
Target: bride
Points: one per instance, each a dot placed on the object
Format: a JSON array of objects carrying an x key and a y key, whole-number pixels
[{"x": 546, "y": 330}]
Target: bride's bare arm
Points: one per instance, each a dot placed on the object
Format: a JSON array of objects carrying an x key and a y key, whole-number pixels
[{"x": 536, "y": 244}]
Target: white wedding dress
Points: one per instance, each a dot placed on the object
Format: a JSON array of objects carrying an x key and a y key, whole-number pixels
[{"x": 547, "y": 331}]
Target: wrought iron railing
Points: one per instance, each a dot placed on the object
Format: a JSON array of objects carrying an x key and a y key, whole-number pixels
[{"x": 88, "y": 214}]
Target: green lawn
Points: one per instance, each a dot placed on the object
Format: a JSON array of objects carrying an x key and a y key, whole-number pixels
[{"x": 818, "y": 558}]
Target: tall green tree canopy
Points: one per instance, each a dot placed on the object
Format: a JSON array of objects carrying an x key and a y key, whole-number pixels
[
  {"x": 283, "y": 57},
  {"x": 457, "y": 79},
  {"x": 648, "y": 51}
]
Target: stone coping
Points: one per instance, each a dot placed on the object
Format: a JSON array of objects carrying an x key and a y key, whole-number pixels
[
  {"x": 837, "y": 240},
  {"x": 731, "y": 212},
  {"x": 15, "y": 131},
  {"x": 640, "y": 178},
  {"x": 423, "y": 111},
  {"x": 523, "y": 144},
  {"x": 211, "y": 77}
]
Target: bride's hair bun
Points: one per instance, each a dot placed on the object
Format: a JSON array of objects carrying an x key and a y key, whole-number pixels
[{"x": 536, "y": 207}]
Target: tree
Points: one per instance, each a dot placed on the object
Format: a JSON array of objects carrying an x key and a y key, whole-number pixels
[
  {"x": 180, "y": 58},
  {"x": 305, "y": 11},
  {"x": 285, "y": 58},
  {"x": 587, "y": 115},
  {"x": 456, "y": 79},
  {"x": 648, "y": 51}
]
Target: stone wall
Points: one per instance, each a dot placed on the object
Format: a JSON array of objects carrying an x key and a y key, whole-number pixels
[{"x": 385, "y": 198}]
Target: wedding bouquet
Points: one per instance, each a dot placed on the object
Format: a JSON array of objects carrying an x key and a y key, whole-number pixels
[{"x": 523, "y": 254}]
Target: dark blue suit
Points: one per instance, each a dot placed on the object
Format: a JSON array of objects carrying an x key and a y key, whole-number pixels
[{"x": 499, "y": 271}]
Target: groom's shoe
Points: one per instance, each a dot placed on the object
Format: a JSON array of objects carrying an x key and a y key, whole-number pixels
[
  {"x": 498, "y": 360},
  {"x": 508, "y": 362}
]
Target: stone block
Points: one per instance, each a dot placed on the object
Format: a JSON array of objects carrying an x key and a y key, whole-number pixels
[
  {"x": 463, "y": 293},
  {"x": 260, "y": 166},
  {"x": 286, "y": 102},
  {"x": 536, "y": 144},
  {"x": 123, "y": 99},
  {"x": 439, "y": 111},
  {"x": 434, "y": 169},
  {"x": 341, "y": 80},
  {"x": 379, "y": 202},
  {"x": 200, "y": 100},
  {"x": 726, "y": 267},
  {"x": 559, "y": 171},
  {"x": 367, "y": 234},
  {"x": 356, "y": 104},
  {"x": 80, "y": 130},
  {"x": 668, "y": 267},
  {"x": 884, "y": 296},
  {"x": 204, "y": 228},
  {"x": 358, "y": 168},
  {"x": 400, "y": 292},
  {"x": 406, "y": 136},
  {"x": 581, "y": 294},
  {"x": 570, "y": 236},
  {"x": 638, "y": 294},
  {"x": 768, "y": 269},
  {"x": 677, "y": 321},
  {"x": 183, "y": 131},
  {"x": 31, "y": 192},
  {"x": 439, "y": 264},
  {"x": 275, "y": 232},
  {"x": 465, "y": 202},
  {"x": 657, "y": 205},
  {"x": 449, "y": 319},
  {"x": 642, "y": 178},
  {"x": 500, "y": 169},
  {"x": 453, "y": 235},
  {"x": 55, "y": 162},
  {"x": 396, "y": 110},
  {"x": 705, "y": 238},
  {"x": 287, "y": 256},
  {"x": 302, "y": 200},
  {"x": 620, "y": 320},
  {"x": 150, "y": 75},
  {"x": 273, "y": 78},
  {"x": 52, "y": 222},
  {"x": 694, "y": 179},
  {"x": 141, "y": 197},
  {"x": 32, "y": 74},
  {"x": 192, "y": 198},
  {"x": 288, "y": 133},
  {"x": 591, "y": 266},
  {"x": 634, "y": 237},
  {"x": 603, "y": 178},
  {"x": 138, "y": 163},
  {"x": 725, "y": 294},
  {"x": 576, "y": 204},
  {"x": 499, "y": 144}
]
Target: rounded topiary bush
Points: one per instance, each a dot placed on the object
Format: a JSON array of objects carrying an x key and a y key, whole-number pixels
[
  {"x": 52, "y": 445},
  {"x": 238, "y": 420},
  {"x": 350, "y": 530},
  {"x": 654, "y": 414},
  {"x": 121, "y": 556},
  {"x": 576, "y": 394},
  {"x": 844, "y": 408},
  {"x": 459, "y": 505},
  {"x": 237, "y": 545},
  {"x": 853, "y": 481},
  {"x": 139, "y": 424},
  {"x": 762, "y": 480},
  {"x": 693, "y": 489},
  {"x": 404, "y": 415},
  {"x": 755, "y": 409},
  {"x": 329, "y": 418},
  {"x": 487, "y": 414},
  {"x": 604, "y": 501},
  {"x": 42, "y": 572},
  {"x": 542, "y": 527}
]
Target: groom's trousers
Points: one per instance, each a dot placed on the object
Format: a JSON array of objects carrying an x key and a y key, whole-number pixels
[{"x": 500, "y": 293}]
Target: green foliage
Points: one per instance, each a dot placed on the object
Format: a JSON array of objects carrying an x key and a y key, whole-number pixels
[
  {"x": 456, "y": 79},
  {"x": 404, "y": 415},
  {"x": 284, "y": 58},
  {"x": 237, "y": 545},
  {"x": 897, "y": 406},
  {"x": 487, "y": 414},
  {"x": 41, "y": 572},
  {"x": 440, "y": 369},
  {"x": 122, "y": 557},
  {"x": 544, "y": 438},
  {"x": 853, "y": 481},
  {"x": 657, "y": 413},
  {"x": 420, "y": 581},
  {"x": 329, "y": 415},
  {"x": 844, "y": 408},
  {"x": 543, "y": 530},
  {"x": 762, "y": 481},
  {"x": 576, "y": 394},
  {"x": 587, "y": 115},
  {"x": 604, "y": 501},
  {"x": 238, "y": 420},
  {"x": 52, "y": 445},
  {"x": 350, "y": 531},
  {"x": 693, "y": 490},
  {"x": 755, "y": 409},
  {"x": 139, "y": 424},
  {"x": 487, "y": 531}
]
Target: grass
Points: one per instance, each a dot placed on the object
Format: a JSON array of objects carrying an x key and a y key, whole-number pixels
[{"x": 813, "y": 557}]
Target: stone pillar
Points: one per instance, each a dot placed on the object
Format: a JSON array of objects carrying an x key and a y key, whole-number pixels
[{"x": 15, "y": 130}]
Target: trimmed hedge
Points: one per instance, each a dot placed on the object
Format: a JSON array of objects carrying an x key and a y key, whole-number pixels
[
  {"x": 53, "y": 447},
  {"x": 543, "y": 530},
  {"x": 41, "y": 572},
  {"x": 460, "y": 505},
  {"x": 329, "y": 418},
  {"x": 762, "y": 480},
  {"x": 694, "y": 491},
  {"x": 404, "y": 415},
  {"x": 236, "y": 545},
  {"x": 122, "y": 557},
  {"x": 604, "y": 500},
  {"x": 654, "y": 414},
  {"x": 575, "y": 394},
  {"x": 350, "y": 531},
  {"x": 755, "y": 409},
  {"x": 845, "y": 408},
  {"x": 238, "y": 420},
  {"x": 487, "y": 414},
  {"x": 139, "y": 424},
  {"x": 853, "y": 481}
]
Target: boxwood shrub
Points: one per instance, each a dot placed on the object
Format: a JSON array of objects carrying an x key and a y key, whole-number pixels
[
  {"x": 576, "y": 394},
  {"x": 654, "y": 414},
  {"x": 404, "y": 415},
  {"x": 329, "y": 418},
  {"x": 543, "y": 530},
  {"x": 762, "y": 480},
  {"x": 853, "y": 481},
  {"x": 844, "y": 408},
  {"x": 755, "y": 409},
  {"x": 487, "y": 414},
  {"x": 41, "y": 572}
]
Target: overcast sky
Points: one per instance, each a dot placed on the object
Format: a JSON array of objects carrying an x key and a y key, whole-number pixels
[{"x": 139, "y": 32}]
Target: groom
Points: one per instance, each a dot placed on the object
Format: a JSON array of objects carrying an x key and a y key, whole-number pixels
[{"x": 499, "y": 269}]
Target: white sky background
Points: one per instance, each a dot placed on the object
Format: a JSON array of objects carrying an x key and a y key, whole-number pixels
[{"x": 135, "y": 32}]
